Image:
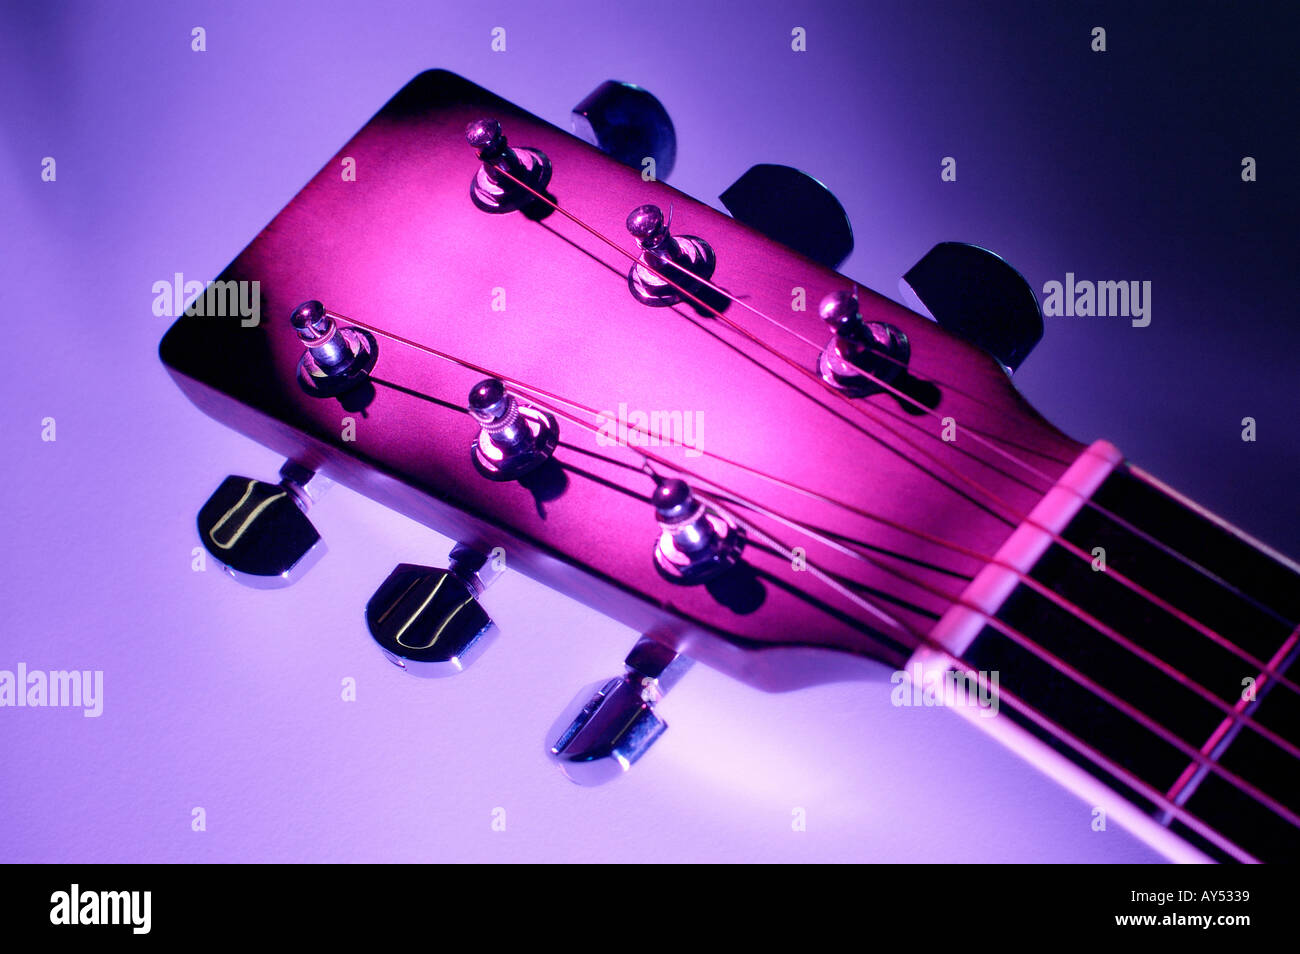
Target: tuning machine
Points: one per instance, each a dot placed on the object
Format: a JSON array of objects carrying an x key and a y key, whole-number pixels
[
  {"x": 428, "y": 621},
  {"x": 862, "y": 356},
  {"x": 513, "y": 439},
  {"x": 611, "y": 724},
  {"x": 697, "y": 542},
  {"x": 496, "y": 186},
  {"x": 336, "y": 358},
  {"x": 259, "y": 532},
  {"x": 794, "y": 209},
  {"x": 974, "y": 293},
  {"x": 627, "y": 123},
  {"x": 667, "y": 262}
]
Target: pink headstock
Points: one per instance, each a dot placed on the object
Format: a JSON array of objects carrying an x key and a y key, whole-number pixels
[{"x": 544, "y": 302}]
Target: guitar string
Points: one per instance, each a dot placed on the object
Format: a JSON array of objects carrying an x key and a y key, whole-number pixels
[
  {"x": 1198, "y": 757},
  {"x": 902, "y": 365},
  {"x": 1243, "y": 654},
  {"x": 1177, "y": 613},
  {"x": 1137, "y": 715},
  {"x": 1132, "y": 712},
  {"x": 863, "y": 409},
  {"x": 1233, "y": 713},
  {"x": 1064, "y": 736},
  {"x": 983, "y": 438}
]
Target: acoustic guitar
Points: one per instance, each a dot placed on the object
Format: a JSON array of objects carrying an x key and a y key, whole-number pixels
[{"x": 691, "y": 422}]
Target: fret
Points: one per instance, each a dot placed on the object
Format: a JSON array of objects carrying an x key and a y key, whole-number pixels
[{"x": 1258, "y": 617}]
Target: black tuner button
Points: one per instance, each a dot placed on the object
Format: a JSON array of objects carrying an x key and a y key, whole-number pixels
[
  {"x": 513, "y": 440},
  {"x": 794, "y": 209},
  {"x": 336, "y": 359},
  {"x": 862, "y": 356},
  {"x": 259, "y": 532},
  {"x": 627, "y": 123},
  {"x": 696, "y": 542},
  {"x": 668, "y": 264},
  {"x": 510, "y": 176},
  {"x": 974, "y": 293},
  {"x": 428, "y": 621}
]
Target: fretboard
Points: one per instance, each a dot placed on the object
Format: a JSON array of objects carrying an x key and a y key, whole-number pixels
[{"x": 1228, "y": 597}]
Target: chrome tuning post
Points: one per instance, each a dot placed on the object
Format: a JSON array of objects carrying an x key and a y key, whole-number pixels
[
  {"x": 666, "y": 260},
  {"x": 862, "y": 356},
  {"x": 611, "y": 724},
  {"x": 428, "y": 621},
  {"x": 696, "y": 542},
  {"x": 496, "y": 186},
  {"x": 259, "y": 532},
  {"x": 513, "y": 439},
  {"x": 337, "y": 359}
]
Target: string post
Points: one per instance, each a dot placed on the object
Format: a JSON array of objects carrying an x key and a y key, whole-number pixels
[
  {"x": 697, "y": 542},
  {"x": 862, "y": 356},
  {"x": 503, "y": 182},
  {"x": 513, "y": 439},
  {"x": 688, "y": 255},
  {"x": 336, "y": 359}
]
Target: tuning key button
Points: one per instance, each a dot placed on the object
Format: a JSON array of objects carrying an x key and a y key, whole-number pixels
[
  {"x": 612, "y": 724},
  {"x": 862, "y": 357},
  {"x": 513, "y": 440},
  {"x": 627, "y": 123},
  {"x": 696, "y": 542},
  {"x": 667, "y": 263},
  {"x": 259, "y": 532},
  {"x": 511, "y": 176},
  {"x": 794, "y": 209},
  {"x": 974, "y": 293},
  {"x": 428, "y": 621},
  {"x": 336, "y": 359}
]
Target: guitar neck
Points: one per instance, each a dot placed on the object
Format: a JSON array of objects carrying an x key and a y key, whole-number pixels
[{"x": 1124, "y": 652}]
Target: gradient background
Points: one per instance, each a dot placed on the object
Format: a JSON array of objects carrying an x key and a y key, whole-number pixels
[{"x": 1123, "y": 165}]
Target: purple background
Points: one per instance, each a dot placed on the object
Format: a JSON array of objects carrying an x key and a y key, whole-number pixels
[{"x": 1123, "y": 165}]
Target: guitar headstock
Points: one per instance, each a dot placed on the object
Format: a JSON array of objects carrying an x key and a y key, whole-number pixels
[{"x": 849, "y": 505}]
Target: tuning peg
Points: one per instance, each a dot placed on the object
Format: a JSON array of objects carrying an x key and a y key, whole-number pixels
[
  {"x": 428, "y": 621},
  {"x": 794, "y": 209},
  {"x": 667, "y": 262},
  {"x": 259, "y": 532},
  {"x": 974, "y": 293},
  {"x": 629, "y": 124},
  {"x": 697, "y": 543},
  {"x": 611, "y": 724},
  {"x": 494, "y": 187},
  {"x": 862, "y": 356},
  {"x": 513, "y": 440},
  {"x": 336, "y": 359}
]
